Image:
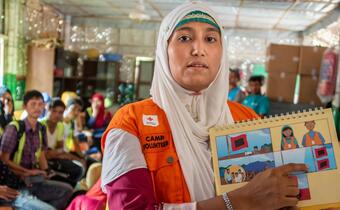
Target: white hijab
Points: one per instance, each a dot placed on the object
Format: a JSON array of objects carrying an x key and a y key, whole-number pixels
[{"x": 181, "y": 106}]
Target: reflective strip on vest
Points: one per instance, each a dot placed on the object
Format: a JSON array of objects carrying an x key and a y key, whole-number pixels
[
  {"x": 60, "y": 131},
  {"x": 69, "y": 144},
  {"x": 18, "y": 154}
]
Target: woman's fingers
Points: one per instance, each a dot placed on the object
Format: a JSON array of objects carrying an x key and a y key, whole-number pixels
[
  {"x": 292, "y": 181},
  {"x": 290, "y": 168},
  {"x": 291, "y": 192},
  {"x": 289, "y": 202}
]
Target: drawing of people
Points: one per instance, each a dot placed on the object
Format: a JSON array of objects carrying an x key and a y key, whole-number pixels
[
  {"x": 288, "y": 140},
  {"x": 244, "y": 176},
  {"x": 228, "y": 176},
  {"x": 233, "y": 176},
  {"x": 238, "y": 176},
  {"x": 312, "y": 137}
]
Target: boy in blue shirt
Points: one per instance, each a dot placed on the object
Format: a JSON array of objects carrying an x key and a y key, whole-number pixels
[{"x": 255, "y": 100}]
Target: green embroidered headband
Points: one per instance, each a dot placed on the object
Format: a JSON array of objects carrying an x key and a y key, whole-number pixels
[{"x": 197, "y": 16}]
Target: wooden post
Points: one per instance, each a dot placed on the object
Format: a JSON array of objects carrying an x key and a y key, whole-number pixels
[{"x": 40, "y": 69}]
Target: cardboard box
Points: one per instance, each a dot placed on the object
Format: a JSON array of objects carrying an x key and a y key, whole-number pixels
[
  {"x": 307, "y": 90},
  {"x": 310, "y": 60},
  {"x": 283, "y": 58},
  {"x": 281, "y": 86}
]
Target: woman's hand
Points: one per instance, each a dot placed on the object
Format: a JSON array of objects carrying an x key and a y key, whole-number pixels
[
  {"x": 7, "y": 193},
  {"x": 95, "y": 110},
  {"x": 35, "y": 172},
  {"x": 271, "y": 189}
]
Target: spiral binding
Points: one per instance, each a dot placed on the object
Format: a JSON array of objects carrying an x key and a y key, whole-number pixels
[{"x": 270, "y": 119}]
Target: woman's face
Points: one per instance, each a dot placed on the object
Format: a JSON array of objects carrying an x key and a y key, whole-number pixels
[
  {"x": 287, "y": 132},
  {"x": 195, "y": 51},
  {"x": 96, "y": 103},
  {"x": 7, "y": 100}
]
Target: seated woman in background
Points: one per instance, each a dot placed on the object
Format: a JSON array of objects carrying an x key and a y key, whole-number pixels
[
  {"x": 97, "y": 118},
  {"x": 6, "y": 108},
  {"x": 235, "y": 92}
]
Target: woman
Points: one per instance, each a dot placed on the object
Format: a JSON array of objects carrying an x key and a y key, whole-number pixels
[
  {"x": 157, "y": 151},
  {"x": 98, "y": 118},
  {"x": 6, "y": 108},
  {"x": 235, "y": 92},
  {"x": 288, "y": 140}
]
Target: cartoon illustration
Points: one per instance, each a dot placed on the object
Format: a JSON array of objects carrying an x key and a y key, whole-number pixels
[
  {"x": 288, "y": 140},
  {"x": 247, "y": 149},
  {"x": 239, "y": 176},
  {"x": 257, "y": 164},
  {"x": 324, "y": 157},
  {"x": 312, "y": 137},
  {"x": 244, "y": 144},
  {"x": 232, "y": 172},
  {"x": 304, "y": 191},
  {"x": 228, "y": 177},
  {"x": 300, "y": 155},
  {"x": 243, "y": 169},
  {"x": 256, "y": 150}
]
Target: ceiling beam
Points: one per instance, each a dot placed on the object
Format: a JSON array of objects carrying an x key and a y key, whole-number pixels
[
  {"x": 78, "y": 7},
  {"x": 115, "y": 23},
  {"x": 154, "y": 7},
  {"x": 244, "y": 6},
  {"x": 237, "y": 19},
  {"x": 286, "y": 11},
  {"x": 259, "y": 28},
  {"x": 123, "y": 22},
  {"x": 317, "y": 1},
  {"x": 54, "y": 8},
  {"x": 115, "y": 7},
  {"x": 261, "y": 34},
  {"x": 332, "y": 16},
  {"x": 118, "y": 18}
]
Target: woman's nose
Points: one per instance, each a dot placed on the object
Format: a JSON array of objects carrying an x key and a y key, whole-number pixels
[{"x": 198, "y": 48}]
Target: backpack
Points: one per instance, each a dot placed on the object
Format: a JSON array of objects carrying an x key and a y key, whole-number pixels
[{"x": 22, "y": 128}]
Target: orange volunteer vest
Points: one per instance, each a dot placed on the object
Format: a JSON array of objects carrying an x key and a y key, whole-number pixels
[
  {"x": 313, "y": 141},
  {"x": 286, "y": 145},
  {"x": 149, "y": 124}
]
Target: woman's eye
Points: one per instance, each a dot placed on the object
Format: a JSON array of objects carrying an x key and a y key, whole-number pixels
[
  {"x": 211, "y": 39},
  {"x": 184, "y": 38}
]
